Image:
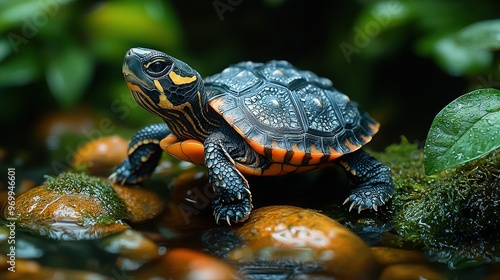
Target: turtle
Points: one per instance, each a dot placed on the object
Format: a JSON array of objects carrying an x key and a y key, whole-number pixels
[{"x": 253, "y": 118}]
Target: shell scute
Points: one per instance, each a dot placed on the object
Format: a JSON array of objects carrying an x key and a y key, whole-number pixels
[{"x": 276, "y": 106}]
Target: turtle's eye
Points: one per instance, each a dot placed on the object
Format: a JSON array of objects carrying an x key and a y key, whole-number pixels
[{"x": 157, "y": 67}]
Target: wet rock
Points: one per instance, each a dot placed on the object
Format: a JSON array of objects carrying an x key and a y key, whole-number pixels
[
  {"x": 493, "y": 271},
  {"x": 54, "y": 126},
  {"x": 189, "y": 264},
  {"x": 141, "y": 204},
  {"x": 131, "y": 244},
  {"x": 191, "y": 199},
  {"x": 410, "y": 271},
  {"x": 22, "y": 269},
  {"x": 100, "y": 156},
  {"x": 388, "y": 256},
  {"x": 297, "y": 241},
  {"x": 31, "y": 270},
  {"x": 70, "y": 206}
]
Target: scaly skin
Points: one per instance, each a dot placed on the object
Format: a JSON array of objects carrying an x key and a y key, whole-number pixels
[
  {"x": 144, "y": 153},
  {"x": 373, "y": 181},
  {"x": 234, "y": 199}
]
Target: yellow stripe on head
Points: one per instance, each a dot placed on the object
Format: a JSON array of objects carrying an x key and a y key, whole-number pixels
[
  {"x": 158, "y": 86},
  {"x": 179, "y": 80}
]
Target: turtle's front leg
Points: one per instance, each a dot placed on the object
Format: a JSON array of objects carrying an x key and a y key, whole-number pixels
[
  {"x": 144, "y": 153},
  {"x": 234, "y": 200},
  {"x": 373, "y": 181}
]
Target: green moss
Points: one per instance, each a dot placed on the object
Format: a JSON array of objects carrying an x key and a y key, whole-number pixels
[
  {"x": 81, "y": 183},
  {"x": 452, "y": 214},
  {"x": 89, "y": 219}
]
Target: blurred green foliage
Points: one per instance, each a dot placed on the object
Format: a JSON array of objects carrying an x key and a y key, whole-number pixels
[{"x": 402, "y": 60}]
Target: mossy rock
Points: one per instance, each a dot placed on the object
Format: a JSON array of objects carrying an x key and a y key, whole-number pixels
[{"x": 452, "y": 214}]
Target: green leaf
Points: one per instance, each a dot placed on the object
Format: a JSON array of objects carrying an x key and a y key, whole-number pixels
[
  {"x": 68, "y": 75},
  {"x": 466, "y": 129},
  {"x": 484, "y": 34}
]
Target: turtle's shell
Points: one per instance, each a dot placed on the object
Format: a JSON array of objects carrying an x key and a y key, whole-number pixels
[{"x": 284, "y": 112}]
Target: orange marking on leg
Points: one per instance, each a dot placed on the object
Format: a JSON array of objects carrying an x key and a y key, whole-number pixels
[{"x": 189, "y": 150}]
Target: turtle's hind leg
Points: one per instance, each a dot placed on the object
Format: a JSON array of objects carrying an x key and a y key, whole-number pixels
[
  {"x": 144, "y": 153},
  {"x": 373, "y": 181}
]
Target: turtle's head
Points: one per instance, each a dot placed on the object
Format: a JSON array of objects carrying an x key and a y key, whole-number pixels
[{"x": 162, "y": 84}]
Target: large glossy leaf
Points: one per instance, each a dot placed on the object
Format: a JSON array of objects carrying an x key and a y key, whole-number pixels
[
  {"x": 484, "y": 34},
  {"x": 466, "y": 129}
]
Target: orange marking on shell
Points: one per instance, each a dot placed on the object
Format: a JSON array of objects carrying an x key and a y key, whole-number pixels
[
  {"x": 366, "y": 139},
  {"x": 274, "y": 169},
  {"x": 334, "y": 154},
  {"x": 308, "y": 168},
  {"x": 217, "y": 103},
  {"x": 277, "y": 154},
  {"x": 316, "y": 155},
  {"x": 247, "y": 170},
  {"x": 256, "y": 146},
  {"x": 374, "y": 127},
  {"x": 189, "y": 150},
  {"x": 298, "y": 155},
  {"x": 281, "y": 169},
  {"x": 351, "y": 146},
  {"x": 290, "y": 168}
]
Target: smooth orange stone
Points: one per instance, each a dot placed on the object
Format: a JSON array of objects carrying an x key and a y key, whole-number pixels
[
  {"x": 410, "y": 271},
  {"x": 187, "y": 264},
  {"x": 277, "y": 234},
  {"x": 101, "y": 155},
  {"x": 387, "y": 256},
  {"x": 141, "y": 204}
]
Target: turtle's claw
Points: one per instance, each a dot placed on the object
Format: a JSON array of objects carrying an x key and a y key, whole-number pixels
[
  {"x": 368, "y": 198},
  {"x": 233, "y": 211}
]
